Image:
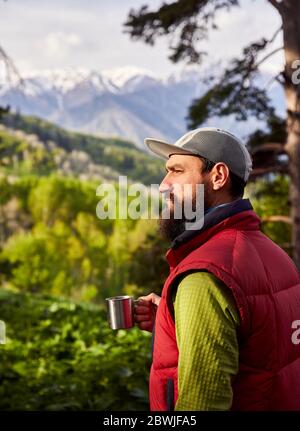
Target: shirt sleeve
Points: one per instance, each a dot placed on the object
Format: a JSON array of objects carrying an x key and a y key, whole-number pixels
[{"x": 206, "y": 320}]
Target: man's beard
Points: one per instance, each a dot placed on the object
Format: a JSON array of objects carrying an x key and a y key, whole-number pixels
[{"x": 172, "y": 227}]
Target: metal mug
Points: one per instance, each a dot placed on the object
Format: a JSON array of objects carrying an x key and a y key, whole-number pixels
[{"x": 120, "y": 312}]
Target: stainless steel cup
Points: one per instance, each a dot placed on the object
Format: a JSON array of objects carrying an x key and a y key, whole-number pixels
[{"x": 120, "y": 312}]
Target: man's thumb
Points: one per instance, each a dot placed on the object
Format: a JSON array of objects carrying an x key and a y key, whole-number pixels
[{"x": 152, "y": 297}]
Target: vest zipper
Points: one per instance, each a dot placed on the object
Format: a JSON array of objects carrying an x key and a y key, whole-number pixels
[{"x": 170, "y": 394}]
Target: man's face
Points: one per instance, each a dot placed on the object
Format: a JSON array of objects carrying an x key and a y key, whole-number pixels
[{"x": 182, "y": 170}]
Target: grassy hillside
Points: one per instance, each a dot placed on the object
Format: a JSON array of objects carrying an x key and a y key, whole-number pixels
[{"x": 121, "y": 156}]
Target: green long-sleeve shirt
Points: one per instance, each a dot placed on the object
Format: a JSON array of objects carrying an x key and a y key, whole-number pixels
[{"x": 206, "y": 320}]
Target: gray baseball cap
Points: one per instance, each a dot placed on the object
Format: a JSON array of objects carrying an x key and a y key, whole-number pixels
[{"x": 214, "y": 144}]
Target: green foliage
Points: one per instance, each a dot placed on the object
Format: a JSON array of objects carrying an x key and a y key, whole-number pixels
[
  {"x": 270, "y": 197},
  {"x": 148, "y": 254},
  {"x": 10, "y": 145},
  {"x": 4, "y": 111},
  {"x": 187, "y": 21},
  {"x": 64, "y": 251},
  {"x": 18, "y": 156},
  {"x": 120, "y": 155},
  {"x": 276, "y": 132},
  {"x": 61, "y": 198},
  {"x": 62, "y": 356},
  {"x": 52, "y": 242},
  {"x": 235, "y": 91}
]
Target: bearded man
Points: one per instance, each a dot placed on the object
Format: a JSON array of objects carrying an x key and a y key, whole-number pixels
[{"x": 222, "y": 327}]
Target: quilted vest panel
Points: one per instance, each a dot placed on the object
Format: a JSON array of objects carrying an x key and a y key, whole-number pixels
[{"x": 266, "y": 286}]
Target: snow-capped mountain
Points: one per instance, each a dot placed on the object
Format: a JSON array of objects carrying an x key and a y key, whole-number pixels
[{"x": 128, "y": 102}]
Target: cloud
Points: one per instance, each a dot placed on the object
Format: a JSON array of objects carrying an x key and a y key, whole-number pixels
[
  {"x": 59, "y": 44},
  {"x": 67, "y": 33}
]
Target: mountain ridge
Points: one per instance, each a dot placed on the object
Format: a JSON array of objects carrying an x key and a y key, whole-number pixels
[{"x": 129, "y": 102}]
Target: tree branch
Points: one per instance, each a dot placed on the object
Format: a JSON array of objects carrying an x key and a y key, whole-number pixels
[
  {"x": 277, "y": 5},
  {"x": 258, "y": 172},
  {"x": 269, "y": 146},
  {"x": 274, "y": 78},
  {"x": 280, "y": 81},
  {"x": 10, "y": 67},
  {"x": 277, "y": 218},
  {"x": 287, "y": 245},
  {"x": 268, "y": 56},
  {"x": 275, "y": 34}
]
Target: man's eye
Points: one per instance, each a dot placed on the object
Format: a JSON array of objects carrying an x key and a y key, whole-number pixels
[{"x": 176, "y": 171}]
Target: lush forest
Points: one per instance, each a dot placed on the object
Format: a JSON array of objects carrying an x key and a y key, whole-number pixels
[
  {"x": 58, "y": 263},
  {"x": 51, "y": 145}
]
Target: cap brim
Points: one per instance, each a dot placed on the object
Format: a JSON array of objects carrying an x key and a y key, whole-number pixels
[{"x": 163, "y": 149}]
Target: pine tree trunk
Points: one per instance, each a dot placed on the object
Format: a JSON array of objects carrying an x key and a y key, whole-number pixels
[{"x": 290, "y": 13}]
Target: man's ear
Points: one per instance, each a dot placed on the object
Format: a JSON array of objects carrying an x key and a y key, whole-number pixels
[{"x": 219, "y": 175}]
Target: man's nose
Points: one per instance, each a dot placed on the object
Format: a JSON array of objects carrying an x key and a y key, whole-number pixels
[{"x": 165, "y": 186}]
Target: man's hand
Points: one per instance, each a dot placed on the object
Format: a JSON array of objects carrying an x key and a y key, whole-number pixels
[{"x": 145, "y": 311}]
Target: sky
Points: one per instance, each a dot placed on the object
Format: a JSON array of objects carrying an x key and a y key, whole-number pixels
[{"x": 52, "y": 34}]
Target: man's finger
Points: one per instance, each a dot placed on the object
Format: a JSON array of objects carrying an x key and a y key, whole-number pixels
[
  {"x": 144, "y": 302},
  {"x": 142, "y": 318},
  {"x": 142, "y": 310},
  {"x": 146, "y": 326}
]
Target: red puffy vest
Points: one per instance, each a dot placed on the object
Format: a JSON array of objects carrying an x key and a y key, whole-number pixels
[{"x": 266, "y": 286}]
